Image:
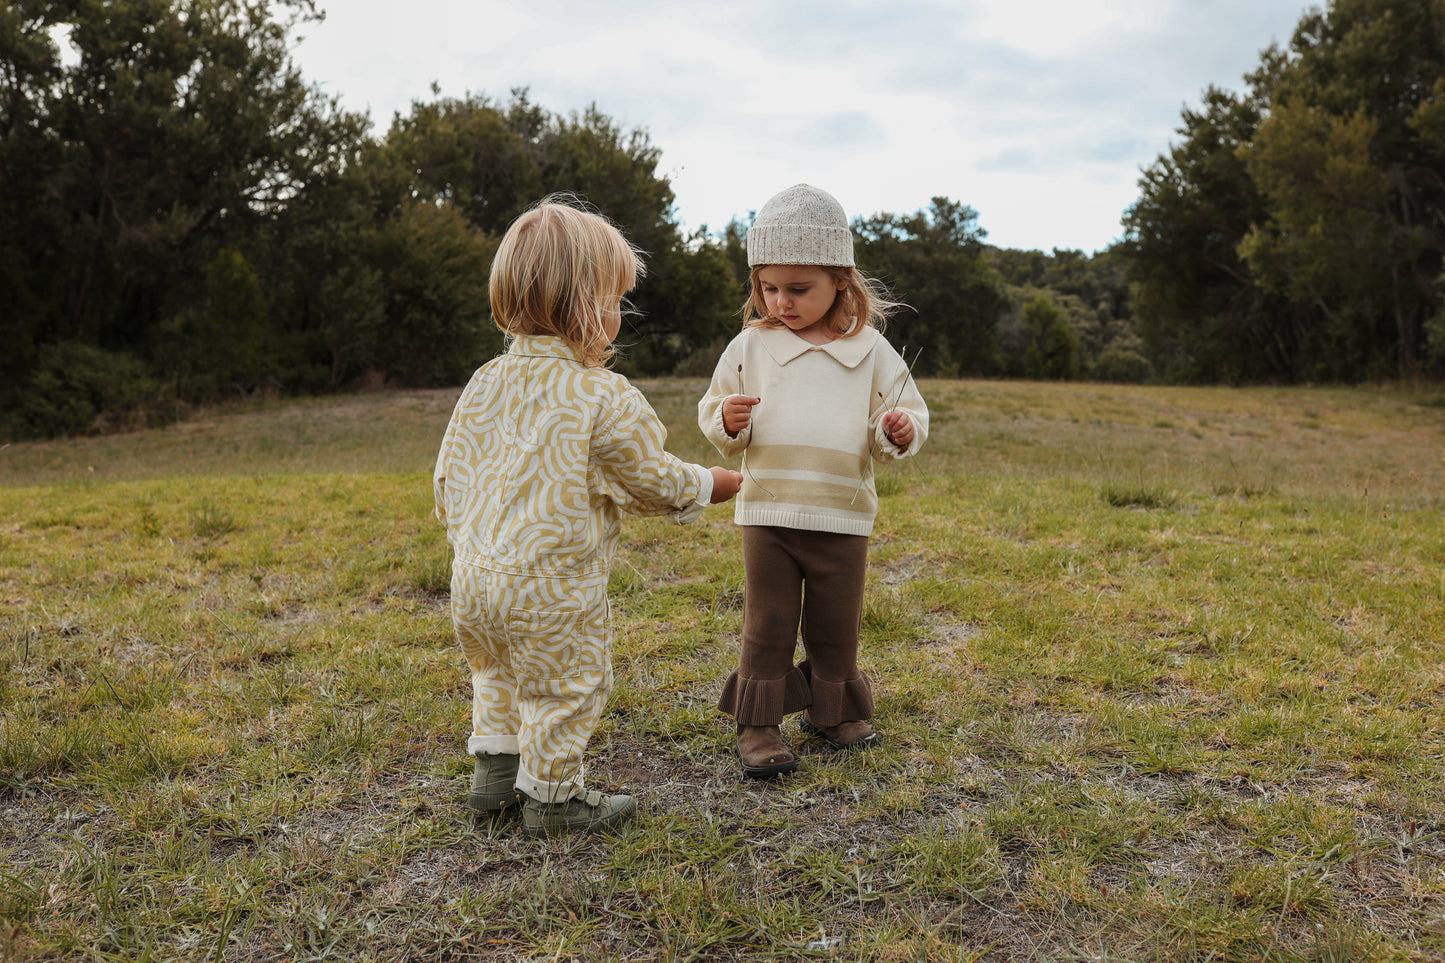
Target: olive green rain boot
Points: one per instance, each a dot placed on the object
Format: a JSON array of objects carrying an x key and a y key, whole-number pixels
[
  {"x": 494, "y": 782},
  {"x": 590, "y": 812}
]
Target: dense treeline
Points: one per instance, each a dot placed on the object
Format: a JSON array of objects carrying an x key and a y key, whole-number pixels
[
  {"x": 1296, "y": 232},
  {"x": 183, "y": 218}
]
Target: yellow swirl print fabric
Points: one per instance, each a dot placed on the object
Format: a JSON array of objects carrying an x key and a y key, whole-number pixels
[
  {"x": 540, "y": 654},
  {"x": 540, "y": 459}
]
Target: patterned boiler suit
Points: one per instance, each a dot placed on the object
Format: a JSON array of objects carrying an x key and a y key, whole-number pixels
[{"x": 540, "y": 458}]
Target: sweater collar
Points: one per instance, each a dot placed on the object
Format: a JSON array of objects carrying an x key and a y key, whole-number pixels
[
  {"x": 783, "y": 346},
  {"x": 542, "y": 346}
]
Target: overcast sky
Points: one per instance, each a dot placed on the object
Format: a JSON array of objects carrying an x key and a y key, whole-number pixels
[{"x": 1039, "y": 114}]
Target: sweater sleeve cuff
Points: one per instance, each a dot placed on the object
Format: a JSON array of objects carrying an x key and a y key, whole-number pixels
[
  {"x": 887, "y": 451},
  {"x": 728, "y": 445}
]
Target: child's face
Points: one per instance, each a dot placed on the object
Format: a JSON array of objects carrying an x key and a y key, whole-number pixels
[{"x": 800, "y": 296}]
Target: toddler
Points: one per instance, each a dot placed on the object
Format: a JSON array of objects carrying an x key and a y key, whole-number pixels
[
  {"x": 810, "y": 394},
  {"x": 545, "y": 449}
]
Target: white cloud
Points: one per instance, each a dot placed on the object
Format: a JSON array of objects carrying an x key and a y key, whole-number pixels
[{"x": 1036, "y": 113}]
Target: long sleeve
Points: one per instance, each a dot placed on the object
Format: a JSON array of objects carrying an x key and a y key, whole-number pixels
[
  {"x": 633, "y": 469},
  {"x": 444, "y": 457},
  {"x": 891, "y": 379},
  {"x": 727, "y": 379}
]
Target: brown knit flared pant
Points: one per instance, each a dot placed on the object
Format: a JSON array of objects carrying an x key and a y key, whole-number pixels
[{"x": 808, "y": 581}]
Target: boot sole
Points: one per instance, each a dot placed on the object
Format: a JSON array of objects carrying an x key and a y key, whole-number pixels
[
  {"x": 607, "y": 826},
  {"x": 768, "y": 772},
  {"x": 488, "y": 802},
  {"x": 600, "y": 828}
]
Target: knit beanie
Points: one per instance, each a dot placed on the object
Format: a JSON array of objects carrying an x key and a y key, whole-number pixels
[{"x": 801, "y": 225}]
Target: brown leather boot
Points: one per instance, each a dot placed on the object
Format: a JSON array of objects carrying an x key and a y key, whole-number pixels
[
  {"x": 854, "y": 734},
  {"x": 763, "y": 752}
]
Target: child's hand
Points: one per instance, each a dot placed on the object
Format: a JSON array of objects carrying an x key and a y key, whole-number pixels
[
  {"x": 737, "y": 413},
  {"x": 725, "y": 484},
  {"x": 898, "y": 427}
]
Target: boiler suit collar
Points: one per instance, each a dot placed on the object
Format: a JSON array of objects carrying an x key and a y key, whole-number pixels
[{"x": 542, "y": 346}]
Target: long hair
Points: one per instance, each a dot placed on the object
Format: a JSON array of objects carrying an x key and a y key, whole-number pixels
[
  {"x": 861, "y": 297},
  {"x": 562, "y": 270}
]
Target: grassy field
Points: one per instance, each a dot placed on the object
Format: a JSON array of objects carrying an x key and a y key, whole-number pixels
[{"x": 1161, "y": 672}]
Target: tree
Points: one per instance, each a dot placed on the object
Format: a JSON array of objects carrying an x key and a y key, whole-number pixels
[
  {"x": 482, "y": 158},
  {"x": 684, "y": 311},
  {"x": 1196, "y": 305},
  {"x": 1326, "y": 242},
  {"x": 436, "y": 325},
  {"x": 935, "y": 262},
  {"x": 1299, "y": 231},
  {"x": 491, "y": 161},
  {"x": 383, "y": 283},
  {"x": 1091, "y": 292},
  {"x": 172, "y": 133},
  {"x": 221, "y": 343},
  {"x": 1354, "y": 178},
  {"x": 1052, "y": 352}
]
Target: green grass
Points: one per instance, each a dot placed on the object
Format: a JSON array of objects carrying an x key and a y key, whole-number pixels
[{"x": 1160, "y": 670}]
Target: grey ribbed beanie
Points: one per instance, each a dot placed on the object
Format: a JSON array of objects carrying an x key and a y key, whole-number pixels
[{"x": 801, "y": 225}]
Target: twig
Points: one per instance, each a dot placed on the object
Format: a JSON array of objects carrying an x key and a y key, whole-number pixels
[
  {"x": 746, "y": 469},
  {"x": 873, "y": 448},
  {"x": 225, "y": 625}
]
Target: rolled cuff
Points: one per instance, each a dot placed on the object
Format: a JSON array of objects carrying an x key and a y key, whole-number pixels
[
  {"x": 885, "y": 450},
  {"x": 504, "y": 745},
  {"x": 727, "y": 445},
  {"x": 547, "y": 792}
]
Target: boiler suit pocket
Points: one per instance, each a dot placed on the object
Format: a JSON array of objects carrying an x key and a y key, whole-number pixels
[
  {"x": 571, "y": 641},
  {"x": 546, "y": 645}
]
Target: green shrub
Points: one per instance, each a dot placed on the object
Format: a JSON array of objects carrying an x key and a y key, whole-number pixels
[
  {"x": 1053, "y": 346},
  {"x": 1121, "y": 366},
  {"x": 80, "y": 389},
  {"x": 1138, "y": 495}
]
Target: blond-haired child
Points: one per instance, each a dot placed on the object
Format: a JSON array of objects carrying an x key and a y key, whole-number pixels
[
  {"x": 810, "y": 394},
  {"x": 545, "y": 449}
]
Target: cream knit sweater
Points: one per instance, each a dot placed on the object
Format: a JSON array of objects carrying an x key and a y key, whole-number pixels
[{"x": 819, "y": 418}]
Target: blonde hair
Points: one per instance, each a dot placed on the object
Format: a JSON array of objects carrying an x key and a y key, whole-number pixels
[
  {"x": 861, "y": 297},
  {"x": 561, "y": 270}
]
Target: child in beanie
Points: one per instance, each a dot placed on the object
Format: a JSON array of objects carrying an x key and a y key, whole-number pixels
[{"x": 810, "y": 394}]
